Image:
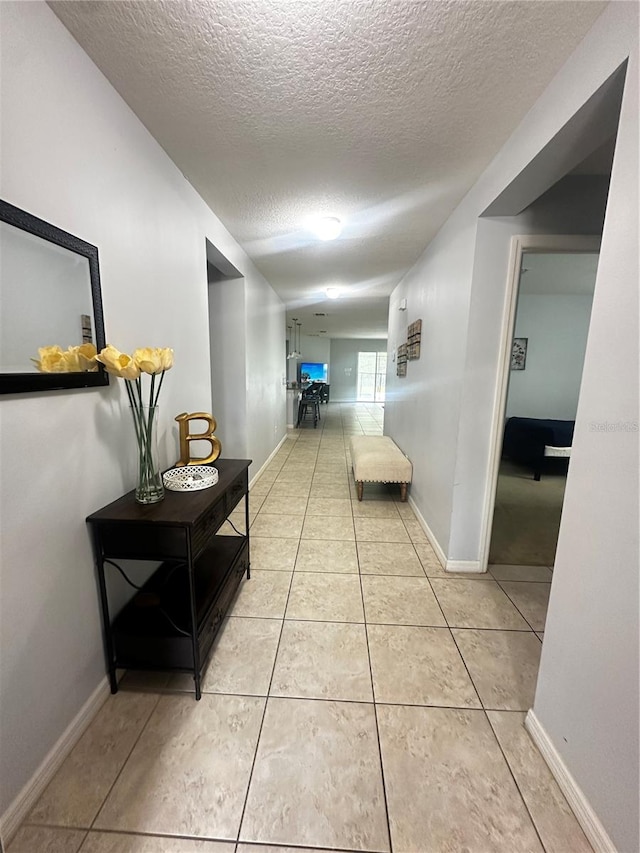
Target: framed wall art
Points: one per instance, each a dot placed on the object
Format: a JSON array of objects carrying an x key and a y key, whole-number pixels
[
  {"x": 519, "y": 353},
  {"x": 414, "y": 335},
  {"x": 401, "y": 360}
]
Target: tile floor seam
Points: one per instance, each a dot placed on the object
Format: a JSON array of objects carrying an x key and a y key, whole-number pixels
[
  {"x": 124, "y": 763},
  {"x": 502, "y": 630},
  {"x": 375, "y": 712},
  {"x": 266, "y": 698},
  {"x": 444, "y": 615},
  {"x": 464, "y": 663},
  {"x": 148, "y": 834},
  {"x": 515, "y": 781},
  {"x": 516, "y": 606},
  {"x": 47, "y": 825},
  {"x": 7, "y": 847}
]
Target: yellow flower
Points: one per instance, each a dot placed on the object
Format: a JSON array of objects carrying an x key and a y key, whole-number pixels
[
  {"x": 166, "y": 357},
  {"x": 51, "y": 360},
  {"x": 71, "y": 360},
  {"x": 153, "y": 360},
  {"x": 148, "y": 360},
  {"x": 118, "y": 363},
  {"x": 87, "y": 357}
]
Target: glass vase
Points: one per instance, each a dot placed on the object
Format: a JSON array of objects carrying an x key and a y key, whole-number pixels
[{"x": 149, "y": 487}]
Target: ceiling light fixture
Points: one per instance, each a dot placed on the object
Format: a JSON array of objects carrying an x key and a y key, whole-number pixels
[
  {"x": 326, "y": 227},
  {"x": 333, "y": 292}
]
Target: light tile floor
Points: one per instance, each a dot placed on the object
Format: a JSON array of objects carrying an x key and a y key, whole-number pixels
[{"x": 358, "y": 697}]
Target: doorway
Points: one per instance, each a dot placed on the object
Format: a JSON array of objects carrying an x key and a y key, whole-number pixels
[
  {"x": 372, "y": 377},
  {"x": 551, "y": 292},
  {"x": 227, "y": 350}
]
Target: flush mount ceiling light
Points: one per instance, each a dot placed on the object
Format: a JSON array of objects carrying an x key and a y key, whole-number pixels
[
  {"x": 326, "y": 227},
  {"x": 333, "y": 292}
]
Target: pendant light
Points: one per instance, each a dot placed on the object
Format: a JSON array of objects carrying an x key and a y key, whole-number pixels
[{"x": 295, "y": 352}]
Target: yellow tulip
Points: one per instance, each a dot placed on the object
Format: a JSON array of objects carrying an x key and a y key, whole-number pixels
[
  {"x": 148, "y": 360},
  {"x": 71, "y": 360},
  {"x": 87, "y": 357},
  {"x": 51, "y": 360},
  {"x": 118, "y": 363},
  {"x": 128, "y": 368},
  {"x": 166, "y": 358}
]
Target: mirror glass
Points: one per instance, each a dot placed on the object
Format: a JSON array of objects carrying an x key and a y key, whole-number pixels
[{"x": 49, "y": 298}]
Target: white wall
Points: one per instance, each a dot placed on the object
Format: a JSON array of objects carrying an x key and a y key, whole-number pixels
[
  {"x": 587, "y": 696},
  {"x": 315, "y": 349},
  {"x": 556, "y": 327},
  {"x": 588, "y": 690},
  {"x": 312, "y": 349},
  {"x": 48, "y": 288},
  {"x": 228, "y": 358},
  {"x": 265, "y": 369},
  {"x": 344, "y": 365},
  {"x": 74, "y": 155}
]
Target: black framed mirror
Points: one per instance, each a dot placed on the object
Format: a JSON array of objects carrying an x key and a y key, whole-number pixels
[{"x": 50, "y": 306}]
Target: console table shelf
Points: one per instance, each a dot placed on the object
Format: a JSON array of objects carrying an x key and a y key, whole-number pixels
[{"x": 172, "y": 621}]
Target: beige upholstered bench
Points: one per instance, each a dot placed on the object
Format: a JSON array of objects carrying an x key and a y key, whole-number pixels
[{"x": 378, "y": 459}]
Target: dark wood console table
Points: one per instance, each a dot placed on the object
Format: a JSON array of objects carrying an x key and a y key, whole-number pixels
[{"x": 171, "y": 622}]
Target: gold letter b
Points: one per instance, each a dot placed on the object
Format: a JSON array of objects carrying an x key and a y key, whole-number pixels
[{"x": 186, "y": 436}]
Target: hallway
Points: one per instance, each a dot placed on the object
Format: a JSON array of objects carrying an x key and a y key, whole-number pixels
[{"x": 358, "y": 697}]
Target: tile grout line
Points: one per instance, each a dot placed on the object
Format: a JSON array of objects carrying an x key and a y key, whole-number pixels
[
  {"x": 375, "y": 710},
  {"x": 483, "y": 707},
  {"x": 451, "y": 634},
  {"x": 124, "y": 763},
  {"x": 266, "y": 698},
  {"x": 519, "y": 610},
  {"x": 513, "y": 776}
]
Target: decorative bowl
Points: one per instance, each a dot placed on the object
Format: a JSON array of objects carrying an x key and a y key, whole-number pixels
[{"x": 190, "y": 478}]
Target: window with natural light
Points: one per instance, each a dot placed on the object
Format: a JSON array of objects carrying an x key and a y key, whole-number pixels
[{"x": 372, "y": 374}]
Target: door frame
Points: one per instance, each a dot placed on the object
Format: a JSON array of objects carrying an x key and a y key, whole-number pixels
[{"x": 520, "y": 243}]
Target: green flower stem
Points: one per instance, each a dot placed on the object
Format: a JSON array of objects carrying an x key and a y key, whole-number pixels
[
  {"x": 149, "y": 487},
  {"x": 155, "y": 402}
]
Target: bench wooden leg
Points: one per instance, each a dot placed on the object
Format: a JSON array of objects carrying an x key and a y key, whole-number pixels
[
  {"x": 403, "y": 491},
  {"x": 360, "y": 485}
]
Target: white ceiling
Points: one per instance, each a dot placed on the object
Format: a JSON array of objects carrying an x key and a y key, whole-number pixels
[
  {"x": 546, "y": 273},
  {"x": 380, "y": 112}
]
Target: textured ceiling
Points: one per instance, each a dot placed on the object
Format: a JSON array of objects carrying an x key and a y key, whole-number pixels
[{"x": 380, "y": 112}]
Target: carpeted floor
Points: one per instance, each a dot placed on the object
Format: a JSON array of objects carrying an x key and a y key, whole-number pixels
[{"x": 526, "y": 519}]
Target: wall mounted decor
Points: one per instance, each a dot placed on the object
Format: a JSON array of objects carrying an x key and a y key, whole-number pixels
[
  {"x": 51, "y": 321},
  {"x": 414, "y": 335},
  {"x": 401, "y": 363},
  {"x": 519, "y": 353}
]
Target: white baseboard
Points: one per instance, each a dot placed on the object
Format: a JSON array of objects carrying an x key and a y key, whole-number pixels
[
  {"x": 28, "y": 796},
  {"x": 271, "y": 455},
  {"x": 578, "y": 803},
  {"x": 429, "y": 533},
  {"x": 470, "y": 566}
]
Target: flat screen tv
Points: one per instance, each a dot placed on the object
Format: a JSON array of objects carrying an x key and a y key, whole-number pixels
[{"x": 313, "y": 371}]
